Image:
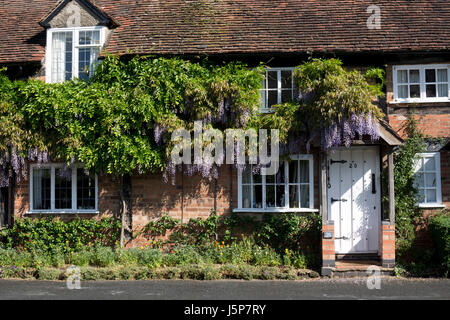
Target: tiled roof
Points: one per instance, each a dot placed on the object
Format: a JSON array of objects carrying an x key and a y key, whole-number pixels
[{"x": 241, "y": 26}]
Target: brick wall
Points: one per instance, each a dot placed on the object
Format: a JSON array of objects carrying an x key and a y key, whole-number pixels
[
  {"x": 189, "y": 197},
  {"x": 387, "y": 245}
]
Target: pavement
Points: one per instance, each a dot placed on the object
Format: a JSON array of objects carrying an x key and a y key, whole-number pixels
[{"x": 332, "y": 289}]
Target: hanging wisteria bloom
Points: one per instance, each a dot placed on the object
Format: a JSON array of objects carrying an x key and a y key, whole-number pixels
[{"x": 357, "y": 126}]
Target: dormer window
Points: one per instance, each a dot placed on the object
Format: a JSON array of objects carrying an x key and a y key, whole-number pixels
[{"x": 73, "y": 52}]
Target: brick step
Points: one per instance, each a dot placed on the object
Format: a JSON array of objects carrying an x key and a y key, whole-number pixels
[
  {"x": 357, "y": 256},
  {"x": 356, "y": 264}
]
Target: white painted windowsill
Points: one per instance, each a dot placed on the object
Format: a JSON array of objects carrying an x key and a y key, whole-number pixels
[
  {"x": 250, "y": 210},
  {"x": 37, "y": 212},
  {"x": 431, "y": 205}
]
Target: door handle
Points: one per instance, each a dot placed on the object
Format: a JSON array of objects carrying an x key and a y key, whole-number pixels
[
  {"x": 343, "y": 238},
  {"x": 335, "y": 200},
  {"x": 374, "y": 187}
]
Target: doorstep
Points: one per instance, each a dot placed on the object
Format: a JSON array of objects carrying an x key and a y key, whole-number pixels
[{"x": 345, "y": 268}]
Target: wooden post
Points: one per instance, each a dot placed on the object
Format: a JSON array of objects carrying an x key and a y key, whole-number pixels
[
  {"x": 323, "y": 188},
  {"x": 391, "y": 187}
]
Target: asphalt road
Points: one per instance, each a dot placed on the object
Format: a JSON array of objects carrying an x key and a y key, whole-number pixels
[{"x": 390, "y": 288}]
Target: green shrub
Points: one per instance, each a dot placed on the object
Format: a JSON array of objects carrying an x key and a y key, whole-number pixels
[
  {"x": 47, "y": 234},
  {"x": 151, "y": 258},
  {"x": 440, "y": 231},
  {"x": 48, "y": 274},
  {"x": 102, "y": 257},
  {"x": 265, "y": 257},
  {"x": 182, "y": 255},
  {"x": 80, "y": 258}
]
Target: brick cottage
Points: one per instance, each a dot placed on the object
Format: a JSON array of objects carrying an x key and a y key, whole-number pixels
[{"x": 57, "y": 40}]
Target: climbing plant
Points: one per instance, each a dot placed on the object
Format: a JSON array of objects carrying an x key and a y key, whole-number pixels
[
  {"x": 333, "y": 105},
  {"x": 121, "y": 120},
  {"x": 406, "y": 193}
]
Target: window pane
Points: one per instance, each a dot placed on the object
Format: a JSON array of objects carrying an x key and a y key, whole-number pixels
[
  {"x": 272, "y": 79},
  {"x": 304, "y": 171},
  {"x": 263, "y": 98},
  {"x": 270, "y": 179},
  {"x": 63, "y": 189},
  {"x": 414, "y": 76},
  {"x": 85, "y": 190},
  {"x": 280, "y": 174},
  {"x": 414, "y": 91},
  {"x": 272, "y": 98},
  {"x": 431, "y": 195},
  {"x": 89, "y": 37},
  {"x": 270, "y": 196},
  {"x": 430, "y": 75},
  {"x": 246, "y": 174},
  {"x": 304, "y": 196},
  {"x": 41, "y": 189},
  {"x": 429, "y": 164},
  {"x": 442, "y": 75},
  {"x": 286, "y": 79},
  {"x": 280, "y": 196},
  {"x": 61, "y": 56},
  {"x": 403, "y": 92},
  {"x": 419, "y": 180},
  {"x": 286, "y": 96},
  {"x": 246, "y": 196},
  {"x": 421, "y": 195},
  {"x": 257, "y": 196},
  {"x": 293, "y": 172},
  {"x": 442, "y": 90},
  {"x": 430, "y": 180},
  {"x": 294, "y": 196},
  {"x": 402, "y": 76},
  {"x": 87, "y": 58},
  {"x": 431, "y": 90},
  {"x": 257, "y": 177}
]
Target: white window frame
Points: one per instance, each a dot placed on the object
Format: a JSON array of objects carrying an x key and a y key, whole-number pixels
[
  {"x": 279, "y": 88},
  {"x": 437, "y": 158},
  {"x": 286, "y": 208},
  {"x": 75, "y": 48},
  {"x": 421, "y": 68},
  {"x": 74, "y": 210}
]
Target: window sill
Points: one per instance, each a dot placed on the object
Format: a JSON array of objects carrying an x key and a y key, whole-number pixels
[
  {"x": 249, "y": 210},
  {"x": 431, "y": 205},
  {"x": 55, "y": 212},
  {"x": 418, "y": 101}
]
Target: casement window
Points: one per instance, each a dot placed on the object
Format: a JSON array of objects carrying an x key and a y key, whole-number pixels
[
  {"x": 278, "y": 87},
  {"x": 54, "y": 188},
  {"x": 428, "y": 179},
  {"x": 421, "y": 83},
  {"x": 73, "y": 52},
  {"x": 290, "y": 190}
]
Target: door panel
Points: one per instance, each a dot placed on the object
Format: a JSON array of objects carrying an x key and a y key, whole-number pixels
[
  {"x": 359, "y": 225},
  {"x": 354, "y": 199}
]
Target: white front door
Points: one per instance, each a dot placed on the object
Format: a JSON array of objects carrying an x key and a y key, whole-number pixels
[{"x": 354, "y": 199}]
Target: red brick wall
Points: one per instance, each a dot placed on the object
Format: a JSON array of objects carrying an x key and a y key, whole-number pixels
[{"x": 189, "y": 197}]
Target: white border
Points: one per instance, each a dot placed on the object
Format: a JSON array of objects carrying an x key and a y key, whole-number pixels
[
  {"x": 75, "y": 39},
  {"x": 308, "y": 157},
  {"x": 422, "y": 68},
  {"x": 52, "y": 167},
  {"x": 279, "y": 87},
  {"x": 437, "y": 163}
]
